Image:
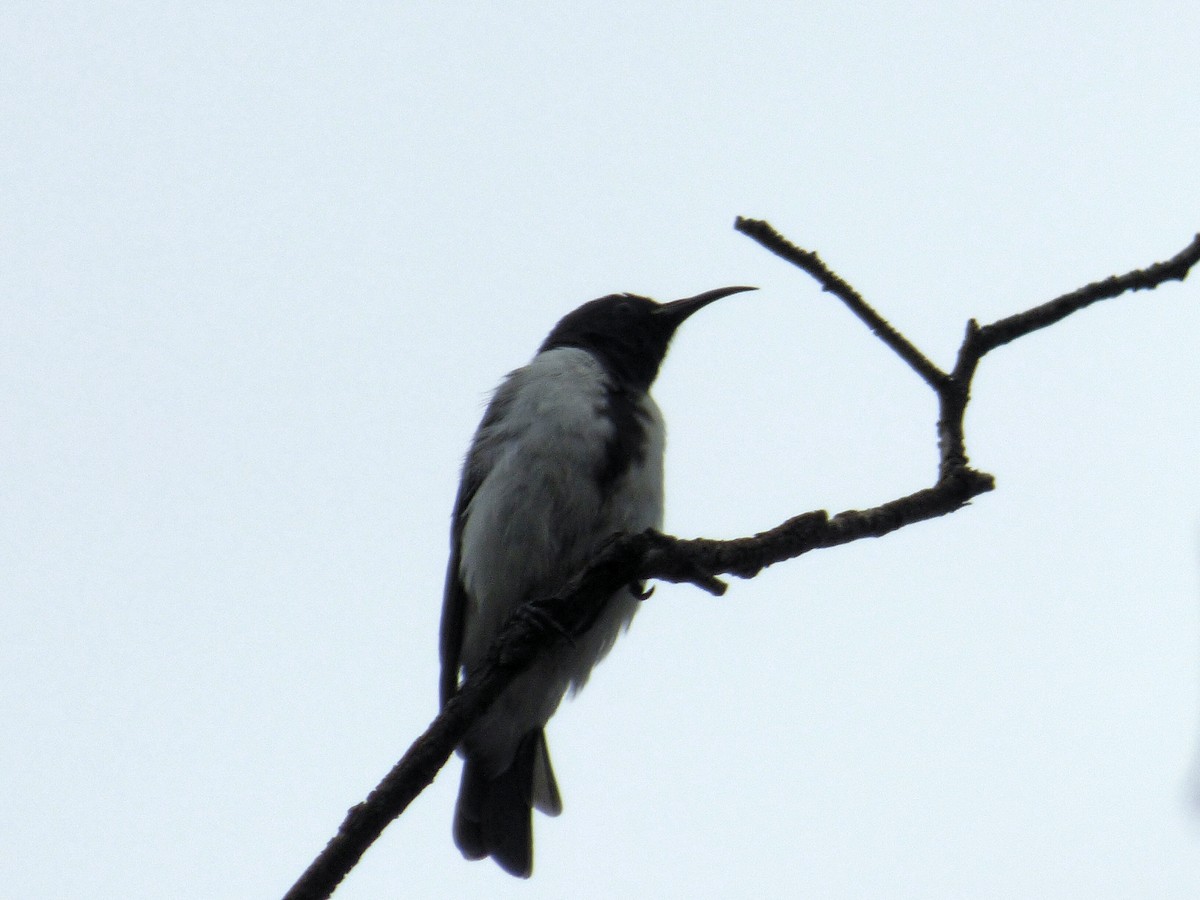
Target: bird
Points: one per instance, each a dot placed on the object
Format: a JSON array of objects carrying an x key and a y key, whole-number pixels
[{"x": 569, "y": 452}]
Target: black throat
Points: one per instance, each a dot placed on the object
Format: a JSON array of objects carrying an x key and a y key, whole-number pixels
[{"x": 627, "y": 445}]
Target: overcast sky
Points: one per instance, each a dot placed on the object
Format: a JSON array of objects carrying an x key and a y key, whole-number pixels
[{"x": 262, "y": 264}]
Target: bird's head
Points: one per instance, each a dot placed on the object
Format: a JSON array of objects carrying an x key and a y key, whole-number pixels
[{"x": 628, "y": 333}]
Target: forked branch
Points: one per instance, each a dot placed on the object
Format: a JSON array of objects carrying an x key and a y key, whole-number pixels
[{"x": 628, "y": 559}]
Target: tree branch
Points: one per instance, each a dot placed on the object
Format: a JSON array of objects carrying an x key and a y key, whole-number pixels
[
  {"x": 629, "y": 559},
  {"x": 1001, "y": 332},
  {"x": 830, "y": 281}
]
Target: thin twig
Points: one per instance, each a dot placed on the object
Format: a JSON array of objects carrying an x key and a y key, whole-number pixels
[
  {"x": 1009, "y": 329},
  {"x": 830, "y": 281}
]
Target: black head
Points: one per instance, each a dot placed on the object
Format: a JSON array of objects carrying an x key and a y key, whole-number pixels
[{"x": 628, "y": 333}]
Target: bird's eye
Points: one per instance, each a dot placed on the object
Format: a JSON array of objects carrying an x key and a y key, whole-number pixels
[{"x": 625, "y": 309}]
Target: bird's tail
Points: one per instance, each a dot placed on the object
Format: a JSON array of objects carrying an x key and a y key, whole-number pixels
[{"x": 494, "y": 812}]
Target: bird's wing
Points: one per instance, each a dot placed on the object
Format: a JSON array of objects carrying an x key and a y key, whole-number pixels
[{"x": 454, "y": 601}]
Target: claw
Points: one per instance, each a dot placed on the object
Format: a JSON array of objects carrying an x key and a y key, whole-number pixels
[{"x": 640, "y": 591}]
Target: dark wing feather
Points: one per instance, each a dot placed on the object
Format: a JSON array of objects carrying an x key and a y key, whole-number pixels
[{"x": 454, "y": 601}]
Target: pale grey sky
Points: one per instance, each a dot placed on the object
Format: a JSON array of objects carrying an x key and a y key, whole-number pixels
[{"x": 262, "y": 264}]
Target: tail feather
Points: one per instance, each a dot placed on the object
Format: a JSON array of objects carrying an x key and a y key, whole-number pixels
[
  {"x": 468, "y": 813},
  {"x": 494, "y": 813},
  {"x": 543, "y": 790}
]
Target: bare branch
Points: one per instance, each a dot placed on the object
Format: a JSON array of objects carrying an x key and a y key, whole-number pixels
[
  {"x": 980, "y": 340},
  {"x": 989, "y": 337},
  {"x": 534, "y": 628},
  {"x": 830, "y": 281},
  {"x": 631, "y": 559}
]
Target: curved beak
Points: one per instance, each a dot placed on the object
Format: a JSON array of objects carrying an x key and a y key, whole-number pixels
[{"x": 678, "y": 310}]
